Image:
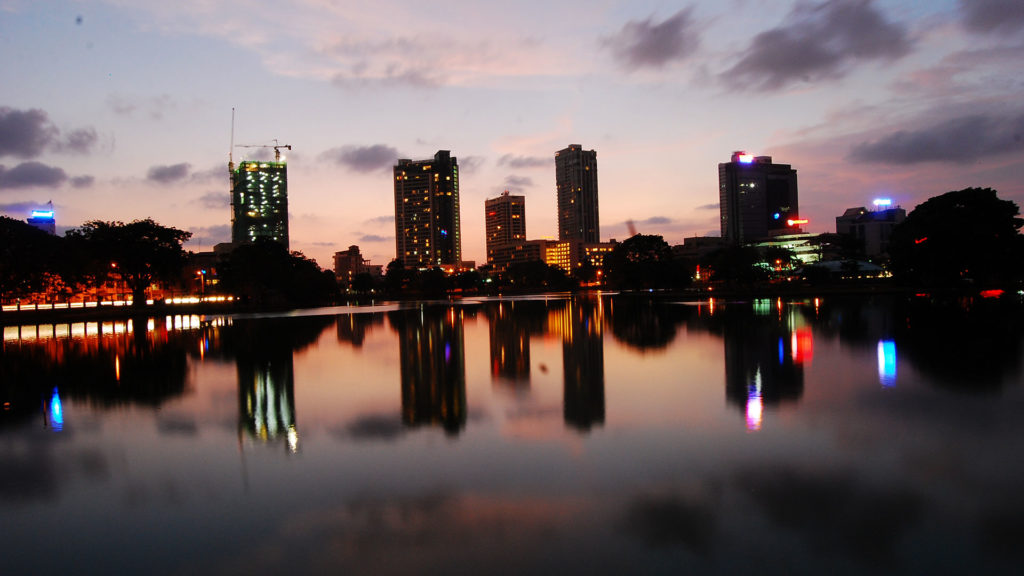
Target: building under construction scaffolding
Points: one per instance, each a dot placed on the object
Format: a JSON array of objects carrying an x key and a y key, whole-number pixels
[{"x": 259, "y": 202}]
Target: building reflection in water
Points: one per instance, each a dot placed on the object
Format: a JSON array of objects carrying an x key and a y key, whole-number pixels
[
  {"x": 56, "y": 411},
  {"x": 887, "y": 363},
  {"x": 353, "y": 328},
  {"x": 510, "y": 345},
  {"x": 580, "y": 323},
  {"x": 433, "y": 366},
  {"x": 264, "y": 353},
  {"x": 266, "y": 396},
  {"x": 764, "y": 357}
]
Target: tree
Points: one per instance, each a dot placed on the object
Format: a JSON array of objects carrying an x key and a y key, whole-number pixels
[
  {"x": 142, "y": 252},
  {"x": 962, "y": 237},
  {"x": 267, "y": 273},
  {"x": 642, "y": 261},
  {"x": 536, "y": 275},
  {"x": 740, "y": 265},
  {"x": 27, "y": 258}
]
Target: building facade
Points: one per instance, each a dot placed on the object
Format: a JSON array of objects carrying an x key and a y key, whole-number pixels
[
  {"x": 870, "y": 228},
  {"x": 576, "y": 184},
  {"x": 505, "y": 224},
  {"x": 44, "y": 220},
  {"x": 427, "y": 228},
  {"x": 259, "y": 202},
  {"x": 757, "y": 199}
]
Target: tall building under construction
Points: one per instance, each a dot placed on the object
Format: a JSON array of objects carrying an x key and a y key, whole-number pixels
[{"x": 259, "y": 202}]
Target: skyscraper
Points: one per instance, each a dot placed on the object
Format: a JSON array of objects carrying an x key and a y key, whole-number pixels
[
  {"x": 576, "y": 182},
  {"x": 505, "y": 223},
  {"x": 757, "y": 199},
  {"x": 427, "y": 231},
  {"x": 259, "y": 202}
]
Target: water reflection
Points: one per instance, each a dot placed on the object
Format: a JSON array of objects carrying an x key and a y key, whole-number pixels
[
  {"x": 353, "y": 328},
  {"x": 887, "y": 363},
  {"x": 431, "y": 353},
  {"x": 854, "y": 479},
  {"x": 767, "y": 346},
  {"x": 107, "y": 364},
  {"x": 264, "y": 352},
  {"x": 581, "y": 325},
  {"x": 510, "y": 326}
]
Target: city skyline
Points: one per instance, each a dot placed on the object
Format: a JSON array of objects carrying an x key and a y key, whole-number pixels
[{"x": 120, "y": 111}]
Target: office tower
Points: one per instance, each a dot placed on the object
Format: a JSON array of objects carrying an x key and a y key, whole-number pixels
[
  {"x": 427, "y": 212},
  {"x": 757, "y": 199},
  {"x": 44, "y": 220},
  {"x": 432, "y": 360},
  {"x": 505, "y": 223},
  {"x": 871, "y": 229},
  {"x": 576, "y": 182},
  {"x": 259, "y": 202}
]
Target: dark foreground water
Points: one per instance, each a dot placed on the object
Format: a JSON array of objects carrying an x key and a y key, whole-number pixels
[{"x": 600, "y": 435}]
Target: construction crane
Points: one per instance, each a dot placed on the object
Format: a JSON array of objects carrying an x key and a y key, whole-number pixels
[{"x": 276, "y": 146}]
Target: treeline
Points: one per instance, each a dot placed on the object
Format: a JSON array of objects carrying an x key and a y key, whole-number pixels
[{"x": 142, "y": 253}]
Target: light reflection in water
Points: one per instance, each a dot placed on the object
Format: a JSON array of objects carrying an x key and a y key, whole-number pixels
[
  {"x": 887, "y": 363},
  {"x": 56, "y": 412},
  {"x": 755, "y": 406}
]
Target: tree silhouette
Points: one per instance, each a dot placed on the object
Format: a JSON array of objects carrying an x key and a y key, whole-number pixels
[
  {"x": 27, "y": 258},
  {"x": 266, "y": 273},
  {"x": 965, "y": 237},
  {"x": 142, "y": 252},
  {"x": 642, "y": 261}
]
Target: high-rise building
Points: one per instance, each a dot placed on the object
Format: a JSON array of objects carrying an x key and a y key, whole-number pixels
[
  {"x": 576, "y": 182},
  {"x": 427, "y": 230},
  {"x": 44, "y": 220},
  {"x": 259, "y": 202},
  {"x": 757, "y": 198},
  {"x": 505, "y": 224}
]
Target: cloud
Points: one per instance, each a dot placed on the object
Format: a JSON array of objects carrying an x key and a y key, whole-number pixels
[
  {"x": 520, "y": 162},
  {"x": 168, "y": 174},
  {"x": 648, "y": 44},
  {"x": 207, "y": 236},
  {"x": 515, "y": 183},
  {"x": 655, "y": 220},
  {"x": 212, "y": 173},
  {"x": 155, "y": 107},
  {"x": 819, "y": 42},
  {"x": 29, "y": 133},
  {"x": 961, "y": 139},
  {"x": 32, "y": 173},
  {"x": 381, "y": 220},
  {"x": 363, "y": 158},
  {"x": 714, "y": 206},
  {"x": 21, "y": 209},
  {"x": 398, "y": 61},
  {"x": 84, "y": 181},
  {"x": 375, "y": 238},
  {"x": 25, "y": 133},
  {"x": 470, "y": 164},
  {"x": 79, "y": 141},
  {"x": 216, "y": 199},
  {"x": 993, "y": 16}
]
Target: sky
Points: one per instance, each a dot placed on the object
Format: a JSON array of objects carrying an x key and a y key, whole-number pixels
[{"x": 122, "y": 109}]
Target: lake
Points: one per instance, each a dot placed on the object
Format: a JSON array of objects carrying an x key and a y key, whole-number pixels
[{"x": 601, "y": 434}]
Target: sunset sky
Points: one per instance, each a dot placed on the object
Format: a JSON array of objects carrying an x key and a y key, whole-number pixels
[{"x": 121, "y": 109}]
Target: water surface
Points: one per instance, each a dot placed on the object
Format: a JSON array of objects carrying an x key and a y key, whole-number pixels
[{"x": 584, "y": 435}]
